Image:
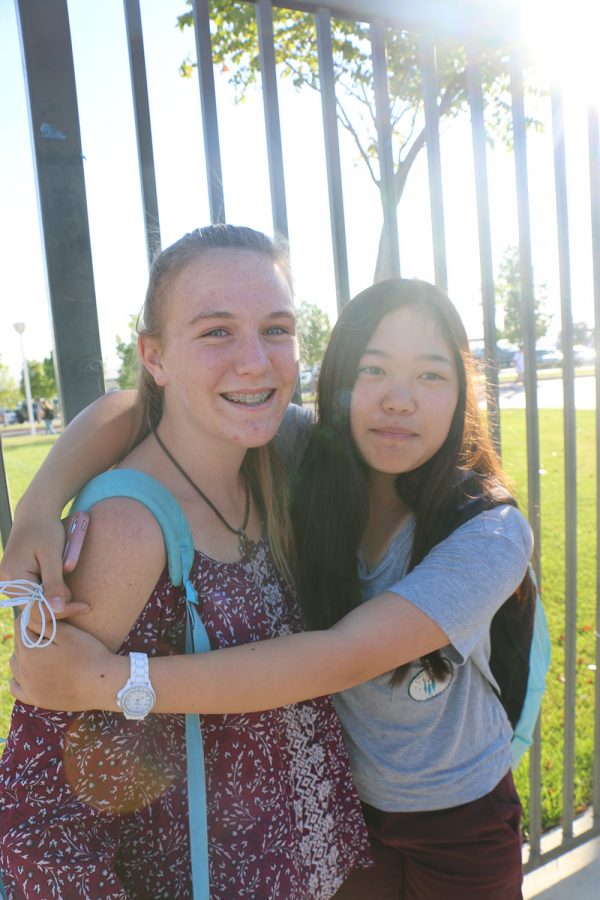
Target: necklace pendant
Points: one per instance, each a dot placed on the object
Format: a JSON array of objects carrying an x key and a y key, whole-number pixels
[{"x": 245, "y": 544}]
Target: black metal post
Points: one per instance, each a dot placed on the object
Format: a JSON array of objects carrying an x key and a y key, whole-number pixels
[
  {"x": 54, "y": 119},
  {"x": 486, "y": 266},
  {"x": 5, "y": 513},
  {"x": 143, "y": 130},
  {"x": 434, "y": 164},
  {"x": 532, "y": 417},
  {"x": 208, "y": 100},
  {"x": 332, "y": 156},
  {"x": 264, "y": 18}
]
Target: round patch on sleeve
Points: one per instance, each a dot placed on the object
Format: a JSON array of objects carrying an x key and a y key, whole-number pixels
[{"x": 423, "y": 687}]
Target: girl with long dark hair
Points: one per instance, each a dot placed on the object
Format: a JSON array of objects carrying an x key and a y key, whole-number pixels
[{"x": 399, "y": 603}]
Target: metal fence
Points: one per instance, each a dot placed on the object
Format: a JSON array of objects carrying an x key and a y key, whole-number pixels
[{"x": 48, "y": 59}]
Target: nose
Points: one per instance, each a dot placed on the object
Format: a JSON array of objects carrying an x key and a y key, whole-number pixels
[
  {"x": 252, "y": 357},
  {"x": 399, "y": 398}
]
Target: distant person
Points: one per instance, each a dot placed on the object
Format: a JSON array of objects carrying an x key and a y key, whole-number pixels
[
  {"x": 48, "y": 414},
  {"x": 519, "y": 364}
]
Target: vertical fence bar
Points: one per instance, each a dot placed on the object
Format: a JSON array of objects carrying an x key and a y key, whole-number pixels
[
  {"x": 569, "y": 426},
  {"x": 427, "y": 64},
  {"x": 332, "y": 156},
  {"x": 486, "y": 266},
  {"x": 387, "y": 185},
  {"x": 143, "y": 129},
  {"x": 264, "y": 17},
  {"x": 54, "y": 120},
  {"x": 532, "y": 420},
  {"x": 5, "y": 513},
  {"x": 208, "y": 102},
  {"x": 594, "y": 158}
]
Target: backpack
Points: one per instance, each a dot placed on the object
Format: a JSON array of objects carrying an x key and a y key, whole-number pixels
[
  {"x": 519, "y": 637},
  {"x": 180, "y": 556}
]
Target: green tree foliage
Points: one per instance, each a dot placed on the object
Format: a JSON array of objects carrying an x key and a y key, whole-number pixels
[
  {"x": 127, "y": 353},
  {"x": 508, "y": 299},
  {"x": 10, "y": 395},
  {"x": 314, "y": 329},
  {"x": 235, "y": 49},
  {"x": 41, "y": 378},
  {"x": 583, "y": 334}
]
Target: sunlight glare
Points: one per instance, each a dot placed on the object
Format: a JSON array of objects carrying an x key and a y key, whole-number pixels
[{"x": 563, "y": 40}]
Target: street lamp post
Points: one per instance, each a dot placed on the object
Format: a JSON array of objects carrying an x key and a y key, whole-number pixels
[{"x": 20, "y": 328}]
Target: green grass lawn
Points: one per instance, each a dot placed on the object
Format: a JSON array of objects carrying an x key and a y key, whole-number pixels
[{"x": 24, "y": 455}]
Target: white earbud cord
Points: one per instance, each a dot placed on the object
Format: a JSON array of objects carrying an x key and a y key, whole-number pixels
[{"x": 29, "y": 594}]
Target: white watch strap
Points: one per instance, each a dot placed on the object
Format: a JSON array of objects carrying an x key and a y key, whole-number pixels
[{"x": 139, "y": 673}]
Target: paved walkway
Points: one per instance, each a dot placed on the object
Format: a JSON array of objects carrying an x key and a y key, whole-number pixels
[{"x": 574, "y": 875}]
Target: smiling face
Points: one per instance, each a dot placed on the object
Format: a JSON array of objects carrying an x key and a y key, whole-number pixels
[
  {"x": 405, "y": 393},
  {"x": 228, "y": 357}
]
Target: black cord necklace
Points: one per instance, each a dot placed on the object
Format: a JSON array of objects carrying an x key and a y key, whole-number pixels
[{"x": 245, "y": 544}]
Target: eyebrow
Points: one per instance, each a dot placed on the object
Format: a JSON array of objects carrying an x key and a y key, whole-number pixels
[
  {"x": 424, "y": 357},
  {"x": 224, "y": 314}
]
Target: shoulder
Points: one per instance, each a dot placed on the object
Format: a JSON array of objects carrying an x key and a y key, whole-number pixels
[
  {"x": 504, "y": 521},
  {"x": 121, "y": 562},
  {"x": 293, "y": 433},
  {"x": 122, "y": 536},
  {"x": 466, "y": 578}
]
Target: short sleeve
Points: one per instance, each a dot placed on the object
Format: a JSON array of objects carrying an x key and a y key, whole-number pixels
[{"x": 464, "y": 580}]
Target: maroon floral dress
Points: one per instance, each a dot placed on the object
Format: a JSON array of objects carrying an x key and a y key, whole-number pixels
[{"x": 93, "y": 805}]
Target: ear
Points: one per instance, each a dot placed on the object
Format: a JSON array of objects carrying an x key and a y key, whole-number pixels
[{"x": 150, "y": 353}]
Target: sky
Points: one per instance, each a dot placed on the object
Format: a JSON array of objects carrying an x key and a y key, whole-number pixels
[{"x": 113, "y": 194}]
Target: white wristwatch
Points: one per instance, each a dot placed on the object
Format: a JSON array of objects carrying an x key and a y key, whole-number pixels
[{"x": 136, "y": 698}]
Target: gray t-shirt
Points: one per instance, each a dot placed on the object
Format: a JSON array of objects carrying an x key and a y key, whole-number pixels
[{"x": 424, "y": 745}]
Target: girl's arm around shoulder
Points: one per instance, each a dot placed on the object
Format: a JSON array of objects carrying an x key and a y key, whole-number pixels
[{"x": 378, "y": 636}]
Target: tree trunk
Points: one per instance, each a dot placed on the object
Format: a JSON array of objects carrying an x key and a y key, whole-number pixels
[{"x": 401, "y": 174}]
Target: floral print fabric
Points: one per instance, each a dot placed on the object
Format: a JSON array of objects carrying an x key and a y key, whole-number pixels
[{"x": 95, "y": 806}]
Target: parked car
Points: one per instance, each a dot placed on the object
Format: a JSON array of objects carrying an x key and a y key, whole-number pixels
[
  {"x": 584, "y": 356},
  {"x": 548, "y": 358},
  {"x": 504, "y": 353},
  {"x": 22, "y": 413},
  {"x": 8, "y": 416},
  {"x": 308, "y": 378}
]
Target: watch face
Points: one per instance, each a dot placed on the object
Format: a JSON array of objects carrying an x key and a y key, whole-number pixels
[{"x": 137, "y": 701}]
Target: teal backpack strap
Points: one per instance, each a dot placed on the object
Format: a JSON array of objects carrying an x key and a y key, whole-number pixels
[
  {"x": 539, "y": 663},
  {"x": 179, "y": 545}
]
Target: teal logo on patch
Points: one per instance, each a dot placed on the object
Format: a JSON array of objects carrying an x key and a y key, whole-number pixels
[{"x": 423, "y": 687}]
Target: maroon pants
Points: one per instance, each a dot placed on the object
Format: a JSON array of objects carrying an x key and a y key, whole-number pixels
[{"x": 467, "y": 852}]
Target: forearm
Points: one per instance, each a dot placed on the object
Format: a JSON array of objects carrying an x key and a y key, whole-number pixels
[
  {"x": 246, "y": 678},
  {"x": 79, "y": 454},
  {"x": 384, "y": 633}
]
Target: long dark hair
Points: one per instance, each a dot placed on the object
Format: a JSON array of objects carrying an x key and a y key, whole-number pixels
[{"x": 329, "y": 494}]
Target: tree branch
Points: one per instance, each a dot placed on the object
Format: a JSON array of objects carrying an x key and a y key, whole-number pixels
[{"x": 347, "y": 124}]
